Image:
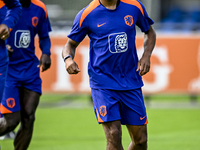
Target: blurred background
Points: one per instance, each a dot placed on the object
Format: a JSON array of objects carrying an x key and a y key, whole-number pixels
[
  {"x": 175, "y": 59},
  {"x": 169, "y": 15},
  {"x": 65, "y": 117}
]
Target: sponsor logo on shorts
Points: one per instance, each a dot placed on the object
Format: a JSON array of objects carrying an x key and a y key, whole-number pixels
[
  {"x": 141, "y": 118},
  {"x": 10, "y": 102},
  {"x": 128, "y": 20},
  {"x": 35, "y": 21},
  {"x": 103, "y": 110}
]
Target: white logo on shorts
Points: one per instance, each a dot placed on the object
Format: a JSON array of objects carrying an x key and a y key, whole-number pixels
[
  {"x": 22, "y": 38},
  {"x": 120, "y": 42}
]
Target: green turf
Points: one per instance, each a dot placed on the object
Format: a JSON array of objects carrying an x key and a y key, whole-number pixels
[
  {"x": 58, "y": 128},
  {"x": 53, "y": 98}
]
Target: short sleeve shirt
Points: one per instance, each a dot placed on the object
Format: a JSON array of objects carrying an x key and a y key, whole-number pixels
[
  {"x": 34, "y": 21},
  {"x": 113, "y": 56}
]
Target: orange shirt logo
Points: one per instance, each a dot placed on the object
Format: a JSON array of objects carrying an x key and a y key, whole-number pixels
[
  {"x": 99, "y": 25},
  {"x": 128, "y": 20},
  {"x": 103, "y": 110},
  {"x": 35, "y": 21},
  {"x": 10, "y": 102}
]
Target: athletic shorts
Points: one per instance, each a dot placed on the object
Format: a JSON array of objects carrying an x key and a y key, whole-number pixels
[
  {"x": 126, "y": 106},
  {"x": 11, "y": 101},
  {"x": 3, "y": 74}
]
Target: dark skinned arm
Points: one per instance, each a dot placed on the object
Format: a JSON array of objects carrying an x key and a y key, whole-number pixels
[
  {"x": 70, "y": 64},
  {"x": 45, "y": 59},
  {"x": 149, "y": 44}
]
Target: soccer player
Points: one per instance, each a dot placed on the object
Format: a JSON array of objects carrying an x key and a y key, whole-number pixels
[
  {"x": 114, "y": 68},
  {"x": 10, "y": 11},
  {"x": 23, "y": 84}
]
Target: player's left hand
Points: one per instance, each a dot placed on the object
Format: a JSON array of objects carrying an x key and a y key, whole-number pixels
[
  {"x": 4, "y": 32},
  {"x": 45, "y": 62},
  {"x": 143, "y": 65},
  {"x": 10, "y": 50}
]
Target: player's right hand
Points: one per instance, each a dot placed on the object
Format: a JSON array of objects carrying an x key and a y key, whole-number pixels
[{"x": 71, "y": 66}]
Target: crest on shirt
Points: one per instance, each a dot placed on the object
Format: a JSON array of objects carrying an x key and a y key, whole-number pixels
[
  {"x": 35, "y": 21},
  {"x": 128, "y": 20},
  {"x": 120, "y": 42},
  {"x": 10, "y": 102},
  {"x": 22, "y": 38},
  {"x": 103, "y": 110}
]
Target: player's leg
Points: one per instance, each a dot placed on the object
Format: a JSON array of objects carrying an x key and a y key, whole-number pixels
[
  {"x": 106, "y": 106},
  {"x": 10, "y": 108},
  {"x": 9, "y": 122},
  {"x": 29, "y": 101},
  {"x": 138, "y": 136},
  {"x": 133, "y": 115},
  {"x": 113, "y": 134}
]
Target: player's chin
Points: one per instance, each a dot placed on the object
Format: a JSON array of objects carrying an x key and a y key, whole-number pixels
[
  {"x": 142, "y": 74},
  {"x": 72, "y": 72},
  {"x": 75, "y": 72}
]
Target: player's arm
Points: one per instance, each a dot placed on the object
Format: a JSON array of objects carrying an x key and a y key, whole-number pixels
[
  {"x": 12, "y": 16},
  {"x": 45, "y": 46},
  {"x": 44, "y": 27},
  {"x": 149, "y": 43},
  {"x": 68, "y": 54}
]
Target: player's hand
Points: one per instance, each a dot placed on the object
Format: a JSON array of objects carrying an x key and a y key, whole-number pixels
[
  {"x": 4, "y": 32},
  {"x": 71, "y": 66},
  {"x": 45, "y": 62},
  {"x": 10, "y": 50},
  {"x": 143, "y": 65}
]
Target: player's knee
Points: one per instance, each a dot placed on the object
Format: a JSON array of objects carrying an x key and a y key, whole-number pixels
[
  {"x": 114, "y": 134},
  {"x": 29, "y": 120},
  {"x": 141, "y": 141}
]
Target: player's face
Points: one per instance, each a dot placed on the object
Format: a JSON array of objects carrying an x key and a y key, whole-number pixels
[{"x": 25, "y": 3}]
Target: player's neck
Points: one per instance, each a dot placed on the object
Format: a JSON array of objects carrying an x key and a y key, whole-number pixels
[
  {"x": 25, "y": 3},
  {"x": 110, "y": 4}
]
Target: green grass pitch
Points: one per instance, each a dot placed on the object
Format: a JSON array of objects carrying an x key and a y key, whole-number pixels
[{"x": 59, "y": 127}]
